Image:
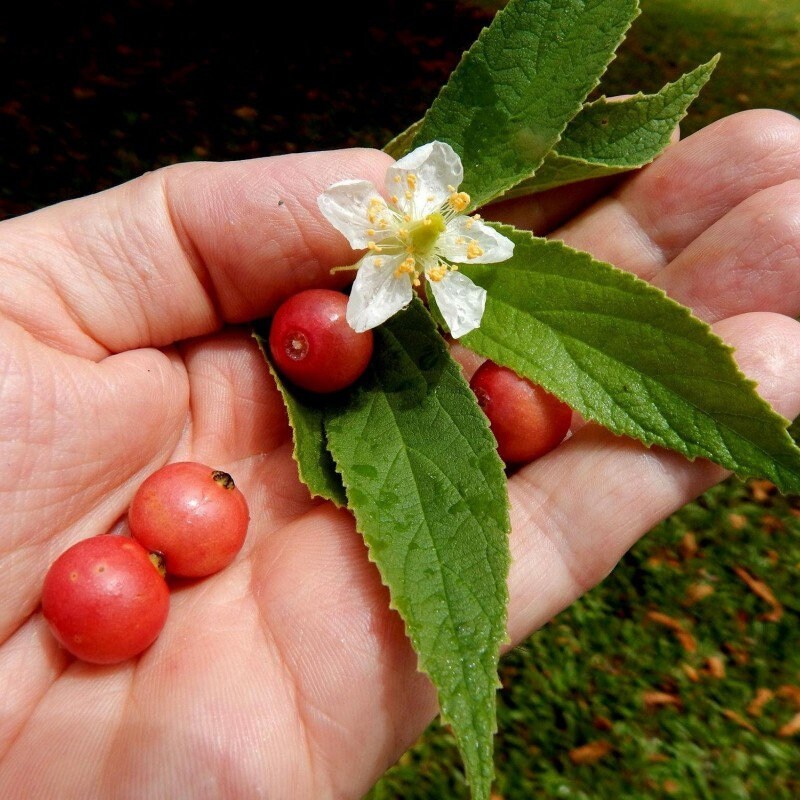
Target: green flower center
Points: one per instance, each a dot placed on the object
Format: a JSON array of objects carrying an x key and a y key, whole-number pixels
[{"x": 423, "y": 234}]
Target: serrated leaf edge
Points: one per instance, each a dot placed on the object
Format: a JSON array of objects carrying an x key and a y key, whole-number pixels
[{"x": 518, "y": 190}]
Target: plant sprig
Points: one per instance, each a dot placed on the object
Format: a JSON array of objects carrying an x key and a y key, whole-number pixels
[{"x": 408, "y": 450}]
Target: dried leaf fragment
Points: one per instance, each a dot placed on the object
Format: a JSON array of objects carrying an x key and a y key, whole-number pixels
[
  {"x": 791, "y": 727},
  {"x": 697, "y": 592},
  {"x": 763, "y": 696},
  {"x": 761, "y": 590},
  {"x": 685, "y": 638},
  {"x": 691, "y": 673},
  {"x": 665, "y": 620},
  {"x": 715, "y": 667},
  {"x": 660, "y": 699},
  {"x": 590, "y": 753},
  {"x": 737, "y": 521},
  {"x": 770, "y": 523},
  {"x": 738, "y": 654},
  {"x": 790, "y": 693},
  {"x": 688, "y": 546},
  {"x": 761, "y": 490},
  {"x": 734, "y": 716}
]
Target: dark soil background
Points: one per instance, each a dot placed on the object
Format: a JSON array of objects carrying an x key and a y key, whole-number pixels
[{"x": 92, "y": 95}]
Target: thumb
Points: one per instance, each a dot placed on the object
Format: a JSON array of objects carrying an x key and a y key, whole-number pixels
[{"x": 177, "y": 252}]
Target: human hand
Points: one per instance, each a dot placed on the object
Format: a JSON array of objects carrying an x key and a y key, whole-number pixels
[{"x": 122, "y": 322}]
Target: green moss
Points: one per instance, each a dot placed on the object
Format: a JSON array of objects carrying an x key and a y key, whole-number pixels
[
  {"x": 759, "y": 41},
  {"x": 586, "y": 676}
]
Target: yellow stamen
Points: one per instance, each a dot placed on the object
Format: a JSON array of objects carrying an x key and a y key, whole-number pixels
[
  {"x": 378, "y": 262},
  {"x": 397, "y": 179},
  {"x": 416, "y": 282},
  {"x": 374, "y": 209},
  {"x": 355, "y": 266},
  {"x": 458, "y": 201},
  {"x": 406, "y": 267},
  {"x": 435, "y": 274},
  {"x": 370, "y": 231},
  {"x": 411, "y": 179},
  {"x": 408, "y": 194},
  {"x": 394, "y": 199},
  {"x": 474, "y": 250}
]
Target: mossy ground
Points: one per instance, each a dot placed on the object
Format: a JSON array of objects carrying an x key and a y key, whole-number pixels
[{"x": 644, "y": 688}]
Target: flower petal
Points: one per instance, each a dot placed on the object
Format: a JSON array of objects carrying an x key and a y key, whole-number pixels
[
  {"x": 433, "y": 168},
  {"x": 377, "y": 292},
  {"x": 469, "y": 241},
  {"x": 357, "y": 211},
  {"x": 460, "y": 302}
]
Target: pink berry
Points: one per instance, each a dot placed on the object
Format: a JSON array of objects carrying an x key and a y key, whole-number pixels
[
  {"x": 313, "y": 345},
  {"x": 526, "y": 420},
  {"x": 193, "y": 515},
  {"x": 105, "y": 600}
]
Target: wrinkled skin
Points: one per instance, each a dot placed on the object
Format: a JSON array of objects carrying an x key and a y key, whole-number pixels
[{"x": 125, "y": 346}]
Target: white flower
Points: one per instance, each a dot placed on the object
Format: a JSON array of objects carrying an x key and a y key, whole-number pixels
[{"x": 421, "y": 231}]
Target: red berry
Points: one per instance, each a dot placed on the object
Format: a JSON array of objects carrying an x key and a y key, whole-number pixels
[
  {"x": 313, "y": 345},
  {"x": 105, "y": 600},
  {"x": 526, "y": 420},
  {"x": 192, "y": 515}
]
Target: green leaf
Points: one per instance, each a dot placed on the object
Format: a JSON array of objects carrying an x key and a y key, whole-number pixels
[
  {"x": 559, "y": 171},
  {"x": 511, "y": 97},
  {"x": 621, "y": 353},
  {"x": 429, "y": 495},
  {"x": 609, "y": 137},
  {"x": 314, "y": 463}
]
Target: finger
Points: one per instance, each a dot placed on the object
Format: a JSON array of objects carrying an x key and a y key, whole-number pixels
[
  {"x": 655, "y": 214},
  {"x": 237, "y": 410},
  {"x": 748, "y": 261},
  {"x": 176, "y": 252},
  {"x": 576, "y": 511},
  {"x": 239, "y": 424},
  {"x": 543, "y": 212}
]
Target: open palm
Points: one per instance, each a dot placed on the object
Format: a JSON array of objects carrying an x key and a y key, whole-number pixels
[{"x": 124, "y": 345}]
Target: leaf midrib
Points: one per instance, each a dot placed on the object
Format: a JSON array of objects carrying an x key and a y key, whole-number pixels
[{"x": 474, "y": 713}]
